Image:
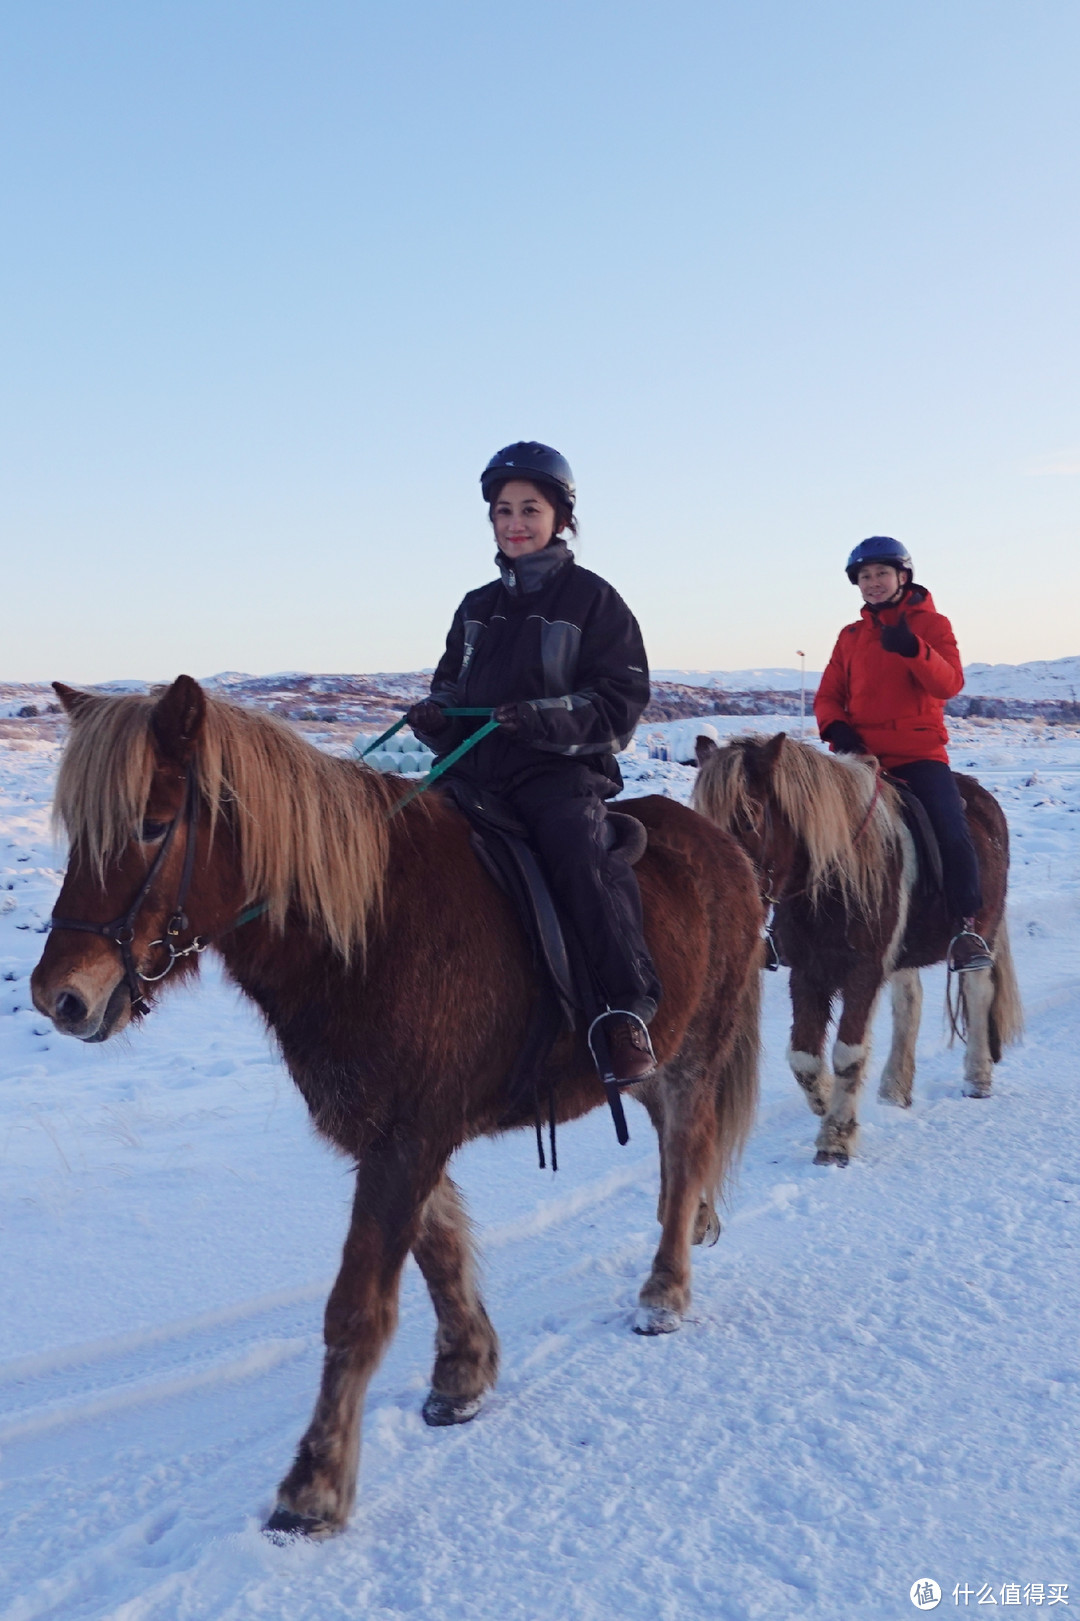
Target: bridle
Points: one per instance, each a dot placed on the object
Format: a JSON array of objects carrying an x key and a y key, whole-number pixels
[{"x": 121, "y": 931}]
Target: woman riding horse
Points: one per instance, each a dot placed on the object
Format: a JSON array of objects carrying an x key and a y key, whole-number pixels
[
  {"x": 554, "y": 651},
  {"x": 884, "y": 693}
]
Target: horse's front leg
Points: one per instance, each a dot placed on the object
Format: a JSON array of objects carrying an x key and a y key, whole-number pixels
[
  {"x": 682, "y": 1104},
  {"x": 466, "y": 1347},
  {"x": 840, "y": 1127},
  {"x": 317, "y": 1494},
  {"x": 811, "y": 1007},
  {"x": 898, "y": 1076}
]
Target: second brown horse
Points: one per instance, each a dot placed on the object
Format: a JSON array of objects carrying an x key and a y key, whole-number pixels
[{"x": 829, "y": 840}]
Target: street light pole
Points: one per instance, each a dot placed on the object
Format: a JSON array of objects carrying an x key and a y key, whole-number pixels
[{"x": 802, "y": 692}]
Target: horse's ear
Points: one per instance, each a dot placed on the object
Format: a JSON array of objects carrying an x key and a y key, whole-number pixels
[
  {"x": 773, "y": 749},
  {"x": 703, "y": 747},
  {"x": 178, "y": 719},
  {"x": 74, "y": 701}
]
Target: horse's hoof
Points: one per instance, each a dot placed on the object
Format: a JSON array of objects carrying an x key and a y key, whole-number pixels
[
  {"x": 894, "y": 1100},
  {"x": 831, "y": 1156},
  {"x": 284, "y": 1526},
  {"x": 656, "y": 1320},
  {"x": 439, "y": 1411},
  {"x": 977, "y": 1089}
]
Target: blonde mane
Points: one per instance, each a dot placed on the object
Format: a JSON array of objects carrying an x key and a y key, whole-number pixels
[
  {"x": 827, "y": 800},
  {"x": 311, "y": 830}
]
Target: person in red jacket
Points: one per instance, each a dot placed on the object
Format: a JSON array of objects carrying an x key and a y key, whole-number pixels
[{"x": 884, "y": 693}]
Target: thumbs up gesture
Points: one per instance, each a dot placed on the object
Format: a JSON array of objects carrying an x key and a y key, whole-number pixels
[{"x": 900, "y": 639}]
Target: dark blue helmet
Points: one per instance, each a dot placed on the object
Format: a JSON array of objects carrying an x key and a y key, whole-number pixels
[
  {"x": 530, "y": 460},
  {"x": 878, "y": 549}
]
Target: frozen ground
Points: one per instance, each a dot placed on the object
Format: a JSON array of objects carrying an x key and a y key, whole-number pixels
[{"x": 880, "y": 1381}]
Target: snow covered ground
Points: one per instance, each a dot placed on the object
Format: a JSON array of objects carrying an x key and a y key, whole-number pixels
[{"x": 880, "y": 1382}]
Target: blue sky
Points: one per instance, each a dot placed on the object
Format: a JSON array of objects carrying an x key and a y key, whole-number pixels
[{"x": 278, "y": 278}]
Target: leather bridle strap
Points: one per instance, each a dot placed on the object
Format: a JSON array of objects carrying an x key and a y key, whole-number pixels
[{"x": 121, "y": 931}]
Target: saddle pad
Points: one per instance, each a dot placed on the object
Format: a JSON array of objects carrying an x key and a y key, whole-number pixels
[{"x": 927, "y": 848}]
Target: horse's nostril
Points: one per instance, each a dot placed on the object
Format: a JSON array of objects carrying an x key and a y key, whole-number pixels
[{"x": 70, "y": 1007}]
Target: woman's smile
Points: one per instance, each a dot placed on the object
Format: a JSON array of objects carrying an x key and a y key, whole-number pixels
[{"x": 524, "y": 519}]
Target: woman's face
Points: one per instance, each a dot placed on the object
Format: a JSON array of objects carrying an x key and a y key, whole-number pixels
[
  {"x": 878, "y": 582},
  {"x": 523, "y": 518}
]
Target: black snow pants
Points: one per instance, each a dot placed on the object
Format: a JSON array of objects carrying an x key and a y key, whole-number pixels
[
  {"x": 934, "y": 784},
  {"x": 596, "y": 890}
]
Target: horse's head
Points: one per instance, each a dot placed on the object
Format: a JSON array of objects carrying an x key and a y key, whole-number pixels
[
  {"x": 128, "y": 798},
  {"x": 736, "y": 788},
  {"x": 823, "y": 821}
]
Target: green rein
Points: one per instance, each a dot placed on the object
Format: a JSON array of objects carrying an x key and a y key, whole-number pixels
[{"x": 444, "y": 765}]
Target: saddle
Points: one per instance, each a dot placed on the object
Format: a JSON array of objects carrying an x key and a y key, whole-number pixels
[{"x": 501, "y": 843}]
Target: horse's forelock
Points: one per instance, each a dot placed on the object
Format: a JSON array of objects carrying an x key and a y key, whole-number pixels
[
  {"x": 104, "y": 779},
  {"x": 721, "y": 789}
]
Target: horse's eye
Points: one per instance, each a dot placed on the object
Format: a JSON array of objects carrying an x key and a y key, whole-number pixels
[{"x": 150, "y": 832}]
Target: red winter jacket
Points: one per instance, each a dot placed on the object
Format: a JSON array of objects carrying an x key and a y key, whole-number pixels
[{"x": 896, "y": 704}]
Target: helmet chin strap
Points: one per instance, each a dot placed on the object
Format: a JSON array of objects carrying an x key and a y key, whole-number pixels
[{"x": 891, "y": 602}]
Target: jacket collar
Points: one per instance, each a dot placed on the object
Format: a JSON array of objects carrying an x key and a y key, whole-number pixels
[{"x": 529, "y": 574}]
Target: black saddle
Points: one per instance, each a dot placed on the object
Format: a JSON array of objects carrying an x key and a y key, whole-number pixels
[
  {"x": 927, "y": 848},
  {"x": 501, "y": 842}
]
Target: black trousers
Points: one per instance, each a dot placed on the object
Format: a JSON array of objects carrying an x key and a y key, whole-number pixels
[
  {"x": 597, "y": 891},
  {"x": 935, "y": 786}
]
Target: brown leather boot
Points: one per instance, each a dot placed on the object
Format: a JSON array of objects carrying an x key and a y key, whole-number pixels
[
  {"x": 632, "y": 1056},
  {"x": 968, "y": 950}
]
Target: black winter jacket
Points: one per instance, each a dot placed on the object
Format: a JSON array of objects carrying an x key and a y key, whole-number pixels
[{"x": 558, "y": 640}]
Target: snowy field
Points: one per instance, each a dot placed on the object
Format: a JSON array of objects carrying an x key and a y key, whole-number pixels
[{"x": 880, "y": 1381}]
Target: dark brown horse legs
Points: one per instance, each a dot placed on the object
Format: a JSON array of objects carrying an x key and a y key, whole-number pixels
[
  {"x": 466, "y": 1346},
  {"x": 317, "y": 1494},
  {"x": 811, "y": 1008},
  {"x": 840, "y": 1128},
  {"x": 833, "y": 1094}
]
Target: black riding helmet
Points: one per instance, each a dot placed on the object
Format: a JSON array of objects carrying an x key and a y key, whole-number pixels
[
  {"x": 529, "y": 460},
  {"x": 878, "y": 549}
]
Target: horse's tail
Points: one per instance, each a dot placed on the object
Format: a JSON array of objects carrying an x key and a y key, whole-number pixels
[
  {"x": 737, "y": 1079},
  {"x": 1006, "y": 1009}
]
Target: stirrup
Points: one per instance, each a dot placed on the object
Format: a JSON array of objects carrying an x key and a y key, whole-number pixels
[
  {"x": 981, "y": 955},
  {"x": 601, "y": 1057}
]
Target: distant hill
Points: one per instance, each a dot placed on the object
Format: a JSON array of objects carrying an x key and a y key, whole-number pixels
[{"x": 1050, "y": 688}]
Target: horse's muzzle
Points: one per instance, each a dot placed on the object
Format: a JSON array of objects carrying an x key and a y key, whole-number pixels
[{"x": 75, "y": 1011}]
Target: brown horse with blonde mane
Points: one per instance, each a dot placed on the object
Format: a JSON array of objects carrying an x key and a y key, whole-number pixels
[
  {"x": 836, "y": 859},
  {"x": 399, "y": 985}
]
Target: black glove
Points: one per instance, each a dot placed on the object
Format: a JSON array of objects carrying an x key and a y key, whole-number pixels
[
  {"x": 509, "y": 717},
  {"x": 844, "y": 738},
  {"x": 427, "y": 716},
  {"x": 899, "y": 639}
]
